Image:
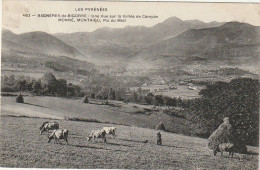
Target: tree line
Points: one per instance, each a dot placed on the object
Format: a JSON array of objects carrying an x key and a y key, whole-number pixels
[{"x": 47, "y": 85}]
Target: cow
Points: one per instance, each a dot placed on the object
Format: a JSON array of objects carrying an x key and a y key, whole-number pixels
[
  {"x": 59, "y": 134},
  {"x": 110, "y": 131},
  {"x": 46, "y": 126},
  {"x": 97, "y": 134}
]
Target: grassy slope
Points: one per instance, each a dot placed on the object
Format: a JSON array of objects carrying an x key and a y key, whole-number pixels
[
  {"x": 21, "y": 145},
  {"x": 60, "y": 108}
]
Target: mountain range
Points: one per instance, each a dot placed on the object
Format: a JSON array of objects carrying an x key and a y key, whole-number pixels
[
  {"x": 171, "y": 42},
  {"x": 122, "y": 43},
  {"x": 231, "y": 41}
]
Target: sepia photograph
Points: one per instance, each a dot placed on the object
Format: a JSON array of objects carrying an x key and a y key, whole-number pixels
[{"x": 130, "y": 85}]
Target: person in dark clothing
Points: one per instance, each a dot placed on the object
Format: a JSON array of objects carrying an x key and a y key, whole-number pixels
[{"x": 159, "y": 138}]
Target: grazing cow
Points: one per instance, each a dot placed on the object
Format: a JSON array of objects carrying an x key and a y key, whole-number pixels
[
  {"x": 46, "y": 126},
  {"x": 110, "y": 131},
  {"x": 98, "y": 134},
  {"x": 59, "y": 134},
  {"x": 227, "y": 147}
]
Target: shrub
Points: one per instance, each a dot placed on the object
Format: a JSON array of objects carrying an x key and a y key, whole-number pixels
[
  {"x": 157, "y": 100},
  {"x": 85, "y": 99},
  {"x": 19, "y": 99},
  {"x": 111, "y": 94},
  {"x": 93, "y": 95},
  {"x": 36, "y": 87}
]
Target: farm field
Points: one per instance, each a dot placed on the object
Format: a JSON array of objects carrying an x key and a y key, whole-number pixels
[
  {"x": 21, "y": 144},
  {"x": 182, "y": 91}
]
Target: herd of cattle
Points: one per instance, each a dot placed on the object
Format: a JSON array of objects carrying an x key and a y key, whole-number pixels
[{"x": 59, "y": 134}]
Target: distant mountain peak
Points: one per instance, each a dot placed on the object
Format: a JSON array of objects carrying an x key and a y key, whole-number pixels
[
  {"x": 235, "y": 24},
  {"x": 103, "y": 28},
  {"x": 39, "y": 41},
  {"x": 196, "y": 22},
  {"x": 172, "y": 20},
  {"x": 5, "y": 30}
]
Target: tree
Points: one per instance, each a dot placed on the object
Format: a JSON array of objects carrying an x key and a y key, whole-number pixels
[
  {"x": 140, "y": 99},
  {"x": 28, "y": 85},
  {"x": 139, "y": 90},
  {"x": 134, "y": 96},
  {"x": 11, "y": 80},
  {"x": 149, "y": 98},
  {"x": 238, "y": 100},
  {"x": 49, "y": 83},
  {"x": 157, "y": 100},
  {"x": 36, "y": 87},
  {"x": 73, "y": 90},
  {"x": 212, "y": 90},
  {"x": 61, "y": 86},
  {"x": 112, "y": 94},
  {"x": 93, "y": 95},
  {"x": 118, "y": 95},
  {"x": 103, "y": 93},
  {"x": 168, "y": 101},
  {"x": 21, "y": 85}
]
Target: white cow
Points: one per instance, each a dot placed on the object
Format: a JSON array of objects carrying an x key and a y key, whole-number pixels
[
  {"x": 110, "y": 131},
  {"x": 98, "y": 134},
  {"x": 59, "y": 134}
]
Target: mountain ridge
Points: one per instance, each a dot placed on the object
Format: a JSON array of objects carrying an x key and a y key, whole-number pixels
[
  {"x": 169, "y": 42},
  {"x": 37, "y": 41},
  {"x": 230, "y": 41}
]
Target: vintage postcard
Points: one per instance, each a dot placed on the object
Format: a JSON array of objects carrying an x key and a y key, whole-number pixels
[{"x": 129, "y": 85}]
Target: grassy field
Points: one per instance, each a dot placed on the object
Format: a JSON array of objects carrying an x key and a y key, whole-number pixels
[
  {"x": 21, "y": 144},
  {"x": 182, "y": 91},
  {"x": 64, "y": 108}
]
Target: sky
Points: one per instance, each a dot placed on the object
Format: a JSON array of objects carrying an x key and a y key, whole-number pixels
[{"x": 13, "y": 19}]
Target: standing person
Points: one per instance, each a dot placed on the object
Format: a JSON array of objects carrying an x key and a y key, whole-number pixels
[{"x": 159, "y": 138}]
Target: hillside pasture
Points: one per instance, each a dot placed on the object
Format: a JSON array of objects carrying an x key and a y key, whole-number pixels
[
  {"x": 72, "y": 108},
  {"x": 22, "y": 146}
]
